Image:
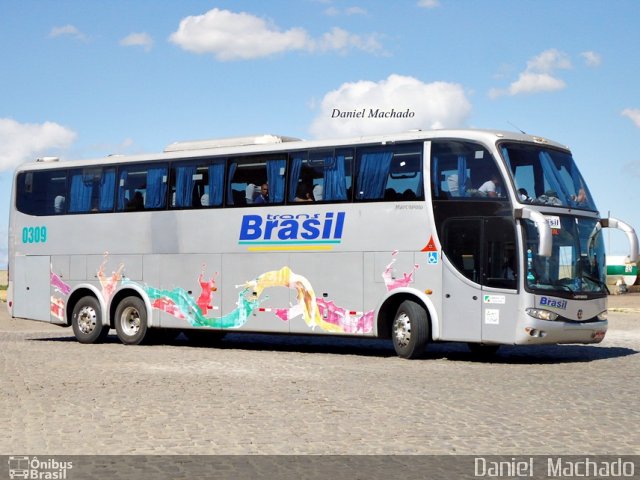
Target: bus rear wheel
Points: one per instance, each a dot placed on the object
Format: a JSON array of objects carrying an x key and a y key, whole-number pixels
[
  {"x": 86, "y": 321},
  {"x": 410, "y": 330},
  {"x": 131, "y": 321}
]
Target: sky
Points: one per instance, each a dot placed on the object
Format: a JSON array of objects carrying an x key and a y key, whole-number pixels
[{"x": 82, "y": 79}]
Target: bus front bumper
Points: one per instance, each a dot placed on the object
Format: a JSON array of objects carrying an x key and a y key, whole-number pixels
[{"x": 541, "y": 332}]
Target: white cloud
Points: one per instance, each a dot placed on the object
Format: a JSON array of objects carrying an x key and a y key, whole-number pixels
[
  {"x": 334, "y": 12},
  {"x": 242, "y": 36},
  {"x": 23, "y": 142},
  {"x": 548, "y": 61},
  {"x": 341, "y": 40},
  {"x": 633, "y": 114},
  {"x": 142, "y": 39},
  {"x": 539, "y": 76},
  {"x": 591, "y": 59},
  {"x": 431, "y": 105},
  {"x": 67, "y": 31},
  {"x": 429, "y": 3}
]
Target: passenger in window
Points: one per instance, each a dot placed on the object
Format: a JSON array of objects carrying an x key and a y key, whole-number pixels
[
  {"x": 580, "y": 198},
  {"x": 491, "y": 188},
  {"x": 409, "y": 195},
  {"x": 317, "y": 193},
  {"x": 523, "y": 195},
  {"x": 263, "y": 196},
  {"x": 136, "y": 203},
  {"x": 303, "y": 193},
  {"x": 58, "y": 204}
]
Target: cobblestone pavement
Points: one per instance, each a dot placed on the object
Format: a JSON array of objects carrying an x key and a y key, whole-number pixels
[{"x": 258, "y": 394}]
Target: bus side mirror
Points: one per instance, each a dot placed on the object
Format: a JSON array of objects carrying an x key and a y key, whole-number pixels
[
  {"x": 629, "y": 232},
  {"x": 544, "y": 230}
]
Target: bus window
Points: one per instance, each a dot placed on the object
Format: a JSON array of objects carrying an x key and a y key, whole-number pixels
[
  {"x": 91, "y": 190},
  {"x": 142, "y": 187},
  {"x": 464, "y": 170},
  {"x": 197, "y": 184},
  {"x": 256, "y": 180},
  {"x": 42, "y": 193},
  {"x": 321, "y": 176},
  {"x": 392, "y": 173}
]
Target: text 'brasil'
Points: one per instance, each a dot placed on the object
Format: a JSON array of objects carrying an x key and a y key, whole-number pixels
[{"x": 304, "y": 231}]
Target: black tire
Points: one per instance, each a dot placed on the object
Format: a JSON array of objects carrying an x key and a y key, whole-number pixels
[
  {"x": 86, "y": 321},
  {"x": 203, "y": 336},
  {"x": 410, "y": 330},
  {"x": 483, "y": 350},
  {"x": 131, "y": 321}
]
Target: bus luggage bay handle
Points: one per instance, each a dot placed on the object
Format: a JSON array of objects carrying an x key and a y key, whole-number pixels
[
  {"x": 629, "y": 232},
  {"x": 544, "y": 230}
]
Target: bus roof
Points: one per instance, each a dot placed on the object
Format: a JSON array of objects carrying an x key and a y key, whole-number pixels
[{"x": 274, "y": 143}]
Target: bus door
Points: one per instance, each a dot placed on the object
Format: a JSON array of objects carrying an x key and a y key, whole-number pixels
[
  {"x": 479, "y": 279},
  {"x": 31, "y": 288}
]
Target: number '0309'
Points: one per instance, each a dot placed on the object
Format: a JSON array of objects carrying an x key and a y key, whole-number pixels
[{"x": 34, "y": 234}]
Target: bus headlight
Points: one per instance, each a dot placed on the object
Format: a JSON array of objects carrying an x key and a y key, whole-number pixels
[
  {"x": 541, "y": 314},
  {"x": 603, "y": 316}
]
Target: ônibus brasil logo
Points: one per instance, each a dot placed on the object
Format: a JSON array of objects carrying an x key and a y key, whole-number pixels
[
  {"x": 305, "y": 231},
  {"x": 38, "y": 468}
]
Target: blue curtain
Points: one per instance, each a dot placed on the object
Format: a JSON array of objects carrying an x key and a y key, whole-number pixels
[
  {"x": 184, "y": 185},
  {"x": 373, "y": 174},
  {"x": 232, "y": 172},
  {"x": 552, "y": 176},
  {"x": 107, "y": 190},
  {"x": 294, "y": 177},
  {"x": 435, "y": 177},
  {"x": 334, "y": 178},
  {"x": 156, "y": 188},
  {"x": 462, "y": 176},
  {"x": 216, "y": 183},
  {"x": 81, "y": 191},
  {"x": 420, "y": 192},
  {"x": 276, "y": 180},
  {"x": 122, "y": 200}
]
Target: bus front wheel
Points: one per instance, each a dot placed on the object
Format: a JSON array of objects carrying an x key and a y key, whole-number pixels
[
  {"x": 131, "y": 321},
  {"x": 86, "y": 321},
  {"x": 410, "y": 330}
]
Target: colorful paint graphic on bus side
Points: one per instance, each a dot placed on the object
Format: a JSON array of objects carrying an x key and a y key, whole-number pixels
[{"x": 317, "y": 313}]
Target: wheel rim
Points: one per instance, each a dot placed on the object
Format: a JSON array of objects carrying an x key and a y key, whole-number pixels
[
  {"x": 402, "y": 330},
  {"x": 87, "y": 320},
  {"x": 130, "y": 321}
]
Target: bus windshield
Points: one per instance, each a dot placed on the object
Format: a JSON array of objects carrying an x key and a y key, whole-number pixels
[
  {"x": 577, "y": 262},
  {"x": 546, "y": 176}
]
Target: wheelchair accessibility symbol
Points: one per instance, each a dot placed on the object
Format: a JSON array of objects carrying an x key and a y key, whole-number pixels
[{"x": 432, "y": 258}]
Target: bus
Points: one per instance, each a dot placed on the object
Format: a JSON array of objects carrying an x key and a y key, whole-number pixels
[{"x": 483, "y": 237}]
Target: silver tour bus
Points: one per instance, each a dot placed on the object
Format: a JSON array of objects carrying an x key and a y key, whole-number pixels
[{"x": 482, "y": 237}]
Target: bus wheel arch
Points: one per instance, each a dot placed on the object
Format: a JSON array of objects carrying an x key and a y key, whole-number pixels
[{"x": 84, "y": 314}]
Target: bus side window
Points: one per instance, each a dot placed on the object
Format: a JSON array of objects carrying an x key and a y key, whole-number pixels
[
  {"x": 390, "y": 173},
  {"x": 42, "y": 193},
  {"x": 464, "y": 170},
  {"x": 247, "y": 176},
  {"x": 91, "y": 190},
  {"x": 197, "y": 184},
  {"x": 321, "y": 175},
  {"x": 142, "y": 187}
]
